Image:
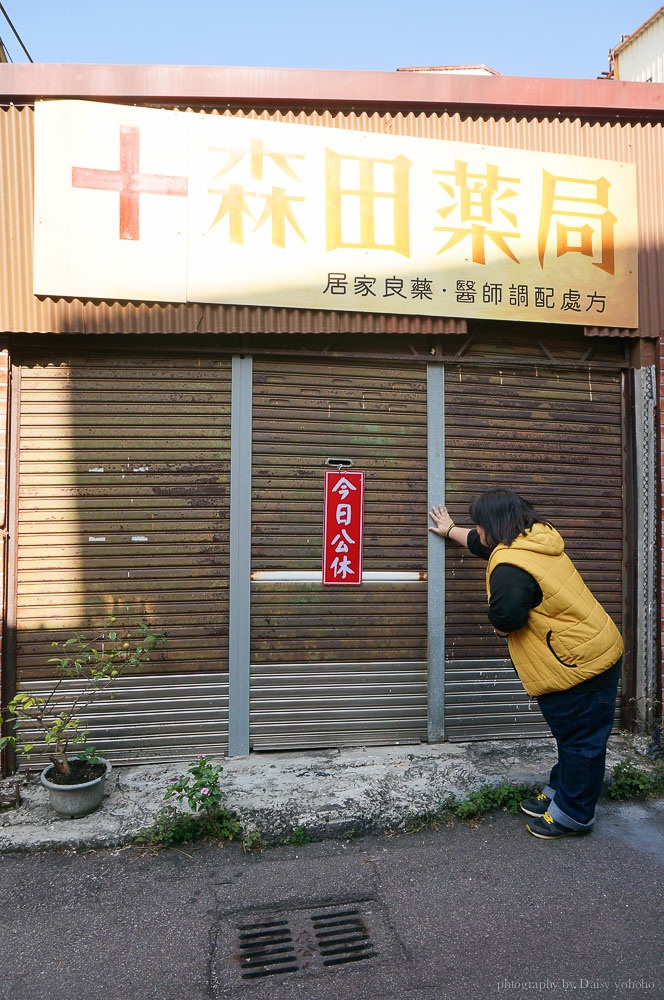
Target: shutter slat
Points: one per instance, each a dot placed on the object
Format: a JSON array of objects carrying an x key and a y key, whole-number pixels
[
  {"x": 555, "y": 436},
  {"x": 134, "y": 451},
  {"x": 338, "y": 666}
]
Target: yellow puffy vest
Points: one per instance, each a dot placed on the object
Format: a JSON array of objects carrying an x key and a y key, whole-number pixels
[{"x": 569, "y": 637}]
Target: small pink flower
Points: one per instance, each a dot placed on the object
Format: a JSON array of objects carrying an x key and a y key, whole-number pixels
[{"x": 204, "y": 791}]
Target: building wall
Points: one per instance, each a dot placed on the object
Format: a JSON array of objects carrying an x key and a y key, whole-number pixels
[
  {"x": 660, "y": 473},
  {"x": 520, "y": 119},
  {"x": 4, "y": 412},
  {"x": 118, "y": 513},
  {"x": 642, "y": 60}
]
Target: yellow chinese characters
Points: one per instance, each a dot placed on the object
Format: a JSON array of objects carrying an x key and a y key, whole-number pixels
[
  {"x": 366, "y": 200},
  {"x": 277, "y": 203},
  {"x": 474, "y": 200},
  {"x": 563, "y": 197}
]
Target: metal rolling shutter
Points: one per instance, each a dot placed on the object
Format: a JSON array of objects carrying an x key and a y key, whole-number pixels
[
  {"x": 123, "y": 509},
  {"x": 346, "y": 665},
  {"x": 555, "y": 436}
]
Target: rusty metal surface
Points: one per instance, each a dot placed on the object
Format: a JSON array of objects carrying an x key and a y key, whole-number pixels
[
  {"x": 555, "y": 435},
  {"x": 123, "y": 504},
  {"x": 21, "y": 311},
  {"x": 338, "y": 665},
  {"x": 329, "y": 667},
  {"x": 616, "y": 331}
]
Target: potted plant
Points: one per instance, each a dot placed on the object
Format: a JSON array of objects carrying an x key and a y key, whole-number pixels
[{"x": 76, "y": 784}]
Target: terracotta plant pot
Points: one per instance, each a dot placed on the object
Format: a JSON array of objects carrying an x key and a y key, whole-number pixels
[{"x": 75, "y": 800}]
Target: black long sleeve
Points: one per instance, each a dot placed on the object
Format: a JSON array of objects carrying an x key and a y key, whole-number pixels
[
  {"x": 475, "y": 546},
  {"x": 513, "y": 593},
  {"x": 513, "y": 590}
]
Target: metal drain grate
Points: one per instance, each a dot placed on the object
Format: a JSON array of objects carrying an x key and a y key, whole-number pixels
[
  {"x": 342, "y": 936},
  {"x": 279, "y": 942},
  {"x": 266, "y": 949}
]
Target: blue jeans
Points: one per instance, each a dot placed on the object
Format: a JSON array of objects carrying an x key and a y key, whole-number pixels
[{"x": 581, "y": 724}]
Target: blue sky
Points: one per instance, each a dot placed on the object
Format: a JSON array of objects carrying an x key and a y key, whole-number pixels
[{"x": 569, "y": 38}]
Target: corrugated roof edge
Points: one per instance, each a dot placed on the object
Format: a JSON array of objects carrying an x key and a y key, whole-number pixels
[
  {"x": 22, "y": 83},
  {"x": 639, "y": 30}
]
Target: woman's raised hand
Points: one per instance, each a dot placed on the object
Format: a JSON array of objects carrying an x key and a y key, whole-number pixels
[{"x": 442, "y": 520}]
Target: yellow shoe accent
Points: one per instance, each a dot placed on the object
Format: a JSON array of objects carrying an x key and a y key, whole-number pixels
[
  {"x": 557, "y": 836},
  {"x": 547, "y": 817}
]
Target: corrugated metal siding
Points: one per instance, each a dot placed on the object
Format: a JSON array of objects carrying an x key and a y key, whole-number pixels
[
  {"x": 123, "y": 510},
  {"x": 642, "y": 59},
  {"x": 554, "y": 435},
  {"x": 21, "y": 311},
  {"x": 338, "y": 666},
  {"x": 151, "y": 718},
  {"x": 138, "y": 446}
]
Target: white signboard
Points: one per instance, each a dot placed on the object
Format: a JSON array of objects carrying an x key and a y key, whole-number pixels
[{"x": 143, "y": 204}]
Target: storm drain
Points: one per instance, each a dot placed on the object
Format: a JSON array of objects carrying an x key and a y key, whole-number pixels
[
  {"x": 306, "y": 940},
  {"x": 266, "y": 949},
  {"x": 342, "y": 936}
]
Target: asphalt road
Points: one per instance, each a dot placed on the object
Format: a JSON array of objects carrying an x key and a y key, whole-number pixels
[{"x": 458, "y": 912}]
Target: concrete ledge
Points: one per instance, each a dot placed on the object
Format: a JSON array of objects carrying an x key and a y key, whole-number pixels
[{"x": 327, "y": 792}]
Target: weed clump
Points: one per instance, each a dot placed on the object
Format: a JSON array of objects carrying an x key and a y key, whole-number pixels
[
  {"x": 209, "y": 819},
  {"x": 630, "y": 781}
]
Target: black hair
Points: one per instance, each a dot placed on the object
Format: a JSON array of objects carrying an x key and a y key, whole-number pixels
[{"x": 503, "y": 514}]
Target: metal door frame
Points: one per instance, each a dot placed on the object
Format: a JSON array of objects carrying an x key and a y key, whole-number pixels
[
  {"x": 240, "y": 556},
  {"x": 435, "y": 555},
  {"x": 239, "y": 611}
]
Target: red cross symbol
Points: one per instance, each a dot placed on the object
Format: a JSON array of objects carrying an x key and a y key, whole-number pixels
[{"x": 128, "y": 182}]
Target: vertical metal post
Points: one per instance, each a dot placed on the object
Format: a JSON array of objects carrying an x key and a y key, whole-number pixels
[
  {"x": 645, "y": 401},
  {"x": 240, "y": 558},
  {"x": 8, "y": 667},
  {"x": 436, "y": 555}
]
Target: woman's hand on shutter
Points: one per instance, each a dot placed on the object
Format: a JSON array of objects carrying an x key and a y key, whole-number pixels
[{"x": 441, "y": 519}]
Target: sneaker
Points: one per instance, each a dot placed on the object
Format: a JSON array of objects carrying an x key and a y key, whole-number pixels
[
  {"x": 546, "y": 828},
  {"x": 537, "y": 806}
]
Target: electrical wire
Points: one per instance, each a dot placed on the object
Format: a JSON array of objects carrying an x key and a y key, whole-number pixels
[
  {"x": 5, "y": 50},
  {"x": 7, "y": 19}
]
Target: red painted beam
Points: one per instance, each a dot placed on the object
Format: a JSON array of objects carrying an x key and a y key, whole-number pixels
[{"x": 23, "y": 83}]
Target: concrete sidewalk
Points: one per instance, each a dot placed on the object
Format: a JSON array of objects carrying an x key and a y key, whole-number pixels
[{"x": 327, "y": 792}]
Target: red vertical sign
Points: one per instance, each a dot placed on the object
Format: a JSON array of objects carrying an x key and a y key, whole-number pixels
[{"x": 343, "y": 524}]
